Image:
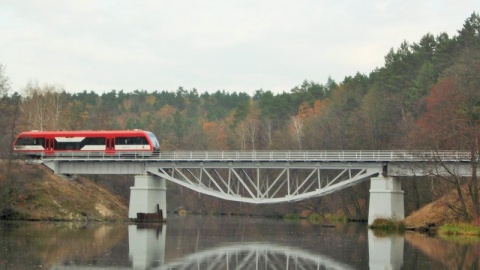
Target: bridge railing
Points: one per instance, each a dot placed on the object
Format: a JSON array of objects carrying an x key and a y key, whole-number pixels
[
  {"x": 323, "y": 156},
  {"x": 318, "y": 155}
]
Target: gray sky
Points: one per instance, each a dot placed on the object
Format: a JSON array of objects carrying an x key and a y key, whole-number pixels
[{"x": 209, "y": 45}]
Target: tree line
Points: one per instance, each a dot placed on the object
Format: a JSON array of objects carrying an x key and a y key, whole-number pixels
[{"x": 425, "y": 96}]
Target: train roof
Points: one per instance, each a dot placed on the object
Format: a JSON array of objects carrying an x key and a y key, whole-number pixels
[{"x": 83, "y": 132}]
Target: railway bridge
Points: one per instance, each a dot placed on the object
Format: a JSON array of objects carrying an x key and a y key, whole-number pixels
[{"x": 263, "y": 177}]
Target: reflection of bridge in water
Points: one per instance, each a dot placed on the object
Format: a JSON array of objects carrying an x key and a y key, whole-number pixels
[
  {"x": 255, "y": 256},
  {"x": 262, "y": 177},
  {"x": 147, "y": 251},
  {"x": 384, "y": 253}
]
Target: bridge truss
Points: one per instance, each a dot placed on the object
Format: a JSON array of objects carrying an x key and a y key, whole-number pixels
[{"x": 264, "y": 182}]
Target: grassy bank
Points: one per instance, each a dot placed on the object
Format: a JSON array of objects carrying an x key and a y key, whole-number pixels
[{"x": 459, "y": 229}]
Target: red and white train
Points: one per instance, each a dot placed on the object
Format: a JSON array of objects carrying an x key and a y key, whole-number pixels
[{"x": 86, "y": 143}]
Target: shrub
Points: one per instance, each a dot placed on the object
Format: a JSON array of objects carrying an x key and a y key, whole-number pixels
[
  {"x": 315, "y": 218},
  {"x": 388, "y": 225},
  {"x": 291, "y": 216},
  {"x": 336, "y": 218}
]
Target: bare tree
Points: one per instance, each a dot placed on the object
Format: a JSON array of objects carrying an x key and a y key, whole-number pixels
[
  {"x": 252, "y": 124},
  {"x": 7, "y": 113},
  {"x": 267, "y": 133},
  {"x": 252, "y": 127},
  {"x": 241, "y": 135},
  {"x": 297, "y": 130},
  {"x": 42, "y": 106},
  {"x": 4, "y": 82}
]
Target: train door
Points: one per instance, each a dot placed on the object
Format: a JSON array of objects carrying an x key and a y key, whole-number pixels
[
  {"x": 110, "y": 146},
  {"x": 48, "y": 145}
]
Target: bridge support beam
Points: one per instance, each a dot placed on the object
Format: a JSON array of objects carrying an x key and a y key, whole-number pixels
[
  {"x": 386, "y": 199},
  {"x": 148, "y": 192}
]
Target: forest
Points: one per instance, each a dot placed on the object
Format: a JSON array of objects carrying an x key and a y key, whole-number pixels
[{"x": 425, "y": 96}]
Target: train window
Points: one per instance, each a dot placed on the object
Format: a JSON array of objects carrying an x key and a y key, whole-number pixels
[
  {"x": 141, "y": 140},
  {"x": 30, "y": 141},
  {"x": 94, "y": 141},
  {"x": 121, "y": 140},
  {"x": 130, "y": 140},
  {"x": 67, "y": 145},
  {"x": 25, "y": 141}
]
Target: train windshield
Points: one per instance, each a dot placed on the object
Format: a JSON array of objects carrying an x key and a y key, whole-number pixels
[{"x": 154, "y": 140}]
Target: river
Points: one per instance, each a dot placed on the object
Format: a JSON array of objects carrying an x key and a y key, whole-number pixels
[{"x": 224, "y": 242}]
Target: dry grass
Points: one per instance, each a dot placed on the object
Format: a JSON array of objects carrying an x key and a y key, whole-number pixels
[
  {"x": 37, "y": 194},
  {"x": 439, "y": 212},
  {"x": 388, "y": 225}
]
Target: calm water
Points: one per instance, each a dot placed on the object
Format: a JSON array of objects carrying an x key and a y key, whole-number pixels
[{"x": 206, "y": 242}]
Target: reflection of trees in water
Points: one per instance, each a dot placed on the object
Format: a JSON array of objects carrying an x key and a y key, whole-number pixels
[
  {"x": 255, "y": 256},
  {"x": 47, "y": 244},
  {"x": 444, "y": 254}
]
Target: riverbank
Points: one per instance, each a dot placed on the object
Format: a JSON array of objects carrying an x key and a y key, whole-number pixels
[{"x": 438, "y": 213}]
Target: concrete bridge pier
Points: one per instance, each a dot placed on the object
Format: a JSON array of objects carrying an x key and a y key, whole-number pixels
[
  {"x": 148, "y": 194},
  {"x": 386, "y": 199}
]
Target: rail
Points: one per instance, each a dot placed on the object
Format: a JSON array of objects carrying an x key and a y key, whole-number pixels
[{"x": 272, "y": 156}]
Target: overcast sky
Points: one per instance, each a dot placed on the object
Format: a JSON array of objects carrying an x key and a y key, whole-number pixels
[{"x": 210, "y": 45}]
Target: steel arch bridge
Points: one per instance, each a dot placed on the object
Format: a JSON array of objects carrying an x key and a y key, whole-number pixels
[{"x": 258, "y": 177}]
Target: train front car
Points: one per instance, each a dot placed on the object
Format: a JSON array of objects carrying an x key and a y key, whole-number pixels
[
  {"x": 136, "y": 143},
  {"x": 123, "y": 143},
  {"x": 29, "y": 144}
]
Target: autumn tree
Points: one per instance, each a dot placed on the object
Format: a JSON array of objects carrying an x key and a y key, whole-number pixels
[
  {"x": 452, "y": 120},
  {"x": 316, "y": 126},
  {"x": 467, "y": 85},
  {"x": 438, "y": 128},
  {"x": 215, "y": 135}
]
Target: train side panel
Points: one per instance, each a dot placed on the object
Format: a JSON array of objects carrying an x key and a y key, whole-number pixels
[{"x": 77, "y": 143}]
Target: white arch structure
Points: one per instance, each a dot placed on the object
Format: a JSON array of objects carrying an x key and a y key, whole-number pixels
[{"x": 264, "y": 182}]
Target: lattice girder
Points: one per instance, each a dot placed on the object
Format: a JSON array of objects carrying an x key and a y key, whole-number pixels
[{"x": 265, "y": 182}]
